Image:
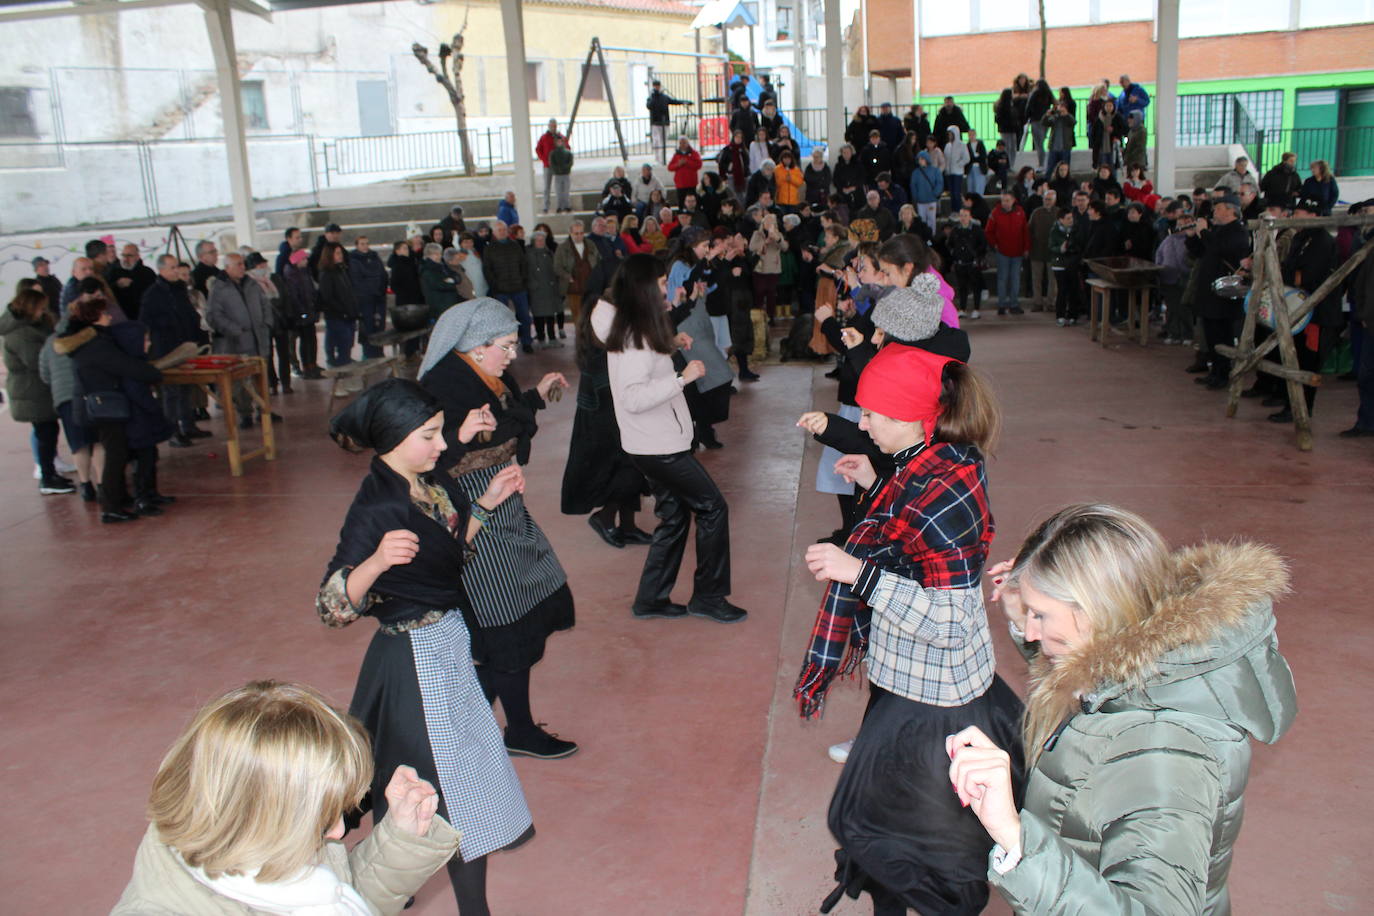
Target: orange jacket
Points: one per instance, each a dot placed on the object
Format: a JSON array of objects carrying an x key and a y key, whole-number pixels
[{"x": 789, "y": 183}]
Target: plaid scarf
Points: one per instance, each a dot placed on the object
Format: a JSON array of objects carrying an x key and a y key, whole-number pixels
[{"x": 929, "y": 483}]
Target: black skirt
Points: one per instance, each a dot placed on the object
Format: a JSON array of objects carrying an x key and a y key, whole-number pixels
[
  {"x": 520, "y": 645},
  {"x": 598, "y": 472},
  {"x": 901, "y": 829}
]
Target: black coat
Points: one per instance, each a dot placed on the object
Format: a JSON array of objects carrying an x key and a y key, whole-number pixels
[
  {"x": 857, "y": 130},
  {"x": 148, "y": 423},
  {"x": 947, "y": 118},
  {"x": 170, "y": 317},
  {"x": 848, "y": 174},
  {"x": 506, "y": 267},
  {"x": 1219, "y": 251},
  {"x": 746, "y": 120},
  {"x": 337, "y": 299},
  {"x": 598, "y": 472},
  {"x": 460, "y": 390},
  {"x": 1313, "y": 254},
  {"x": 1104, "y": 239},
  {"x": 1281, "y": 183},
  {"x": 817, "y": 185},
  {"x": 140, "y": 277},
  {"x": 52, "y": 288},
  {"x": 1141, "y": 237},
  {"x": 405, "y": 279},
  {"x": 876, "y": 160},
  {"x": 100, "y": 364},
  {"x": 920, "y": 126},
  {"x": 658, "y": 103}
]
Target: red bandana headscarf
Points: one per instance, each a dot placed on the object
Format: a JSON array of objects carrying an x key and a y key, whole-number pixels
[{"x": 904, "y": 383}]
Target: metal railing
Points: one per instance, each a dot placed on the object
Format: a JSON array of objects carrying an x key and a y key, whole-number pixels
[{"x": 1349, "y": 151}]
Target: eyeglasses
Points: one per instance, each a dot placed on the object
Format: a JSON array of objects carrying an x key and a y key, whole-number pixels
[{"x": 509, "y": 348}]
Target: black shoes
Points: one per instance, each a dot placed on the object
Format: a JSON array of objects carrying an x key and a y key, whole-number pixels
[
  {"x": 180, "y": 441},
  {"x": 110, "y": 518},
  {"x": 540, "y": 744},
  {"x": 157, "y": 499},
  {"x": 88, "y": 492},
  {"x": 1213, "y": 382},
  {"x": 147, "y": 507},
  {"x": 607, "y": 533},
  {"x": 717, "y": 609},
  {"x": 754, "y": 376},
  {"x": 195, "y": 432},
  {"x": 635, "y": 536},
  {"x": 1197, "y": 367},
  {"x": 1282, "y": 416},
  {"x": 1017, "y": 310},
  {"x": 706, "y": 435},
  {"x": 54, "y": 485},
  {"x": 666, "y": 610},
  {"x": 1356, "y": 432}
]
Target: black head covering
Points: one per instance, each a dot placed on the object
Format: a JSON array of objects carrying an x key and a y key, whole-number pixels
[{"x": 383, "y": 416}]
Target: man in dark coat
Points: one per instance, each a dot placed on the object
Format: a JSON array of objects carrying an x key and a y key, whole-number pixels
[
  {"x": 1222, "y": 247},
  {"x": 172, "y": 320},
  {"x": 129, "y": 277},
  {"x": 917, "y": 122},
  {"x": 950, "y": 115},
  {"x": 332, "y": 233},
  {"x": 890, "y": 126},
  {"x": 771, "y": 121},
  {"x": 745, "y": 119},
  {"x": 368, "y": 273},
  {"x": 1281, "y": 183},
  {"x": 507, "y": 271},
  {"x": 50, "y": 285},
  {"x": 659, "y": 120},
  {"x": 207, "y": 266},
  {"x": 874, "y": 217},
  {"x": 876, "y": 158},
  {"x": 1312, "y": 258},
  {"x": 292, "y": 240}
]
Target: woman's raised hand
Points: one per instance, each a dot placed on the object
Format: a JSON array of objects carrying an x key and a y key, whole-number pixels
[
  {"x": 507, "y": 482},
  {"x": 823, "y": 312},
  {"x": 856, "y": 469},
  {"x": 1007, "y": 595},
  {"x": 411, "y": 801},
  {"x": 478, "y": 420},
  {"x": 852, "y": 337},
  {"x": 828, "y": 562},
  {"x": 683, "y": 340},
  {"x": 980, "y": 773},
  {"x": 814, "y": 422},
  {"x": 547, "y": 382},
  {"x": 397, "y": 548},
  {"x": 693, "y": 371}
]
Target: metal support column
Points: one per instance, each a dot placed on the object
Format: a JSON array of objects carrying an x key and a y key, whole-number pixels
[
  {"x": 513, "y": 25},
  {"x": 834, "y": 79},
  {"x": 220, "y": 26},
  {"x": 1165, "y": 103}
]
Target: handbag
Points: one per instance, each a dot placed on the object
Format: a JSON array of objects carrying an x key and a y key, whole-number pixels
[{"x": 104, "y": 407}]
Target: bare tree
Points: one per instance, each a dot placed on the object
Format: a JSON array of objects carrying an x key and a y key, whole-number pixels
[
  {"x": 1043, "y": 37},
  {"x": 453, "y": 84}
]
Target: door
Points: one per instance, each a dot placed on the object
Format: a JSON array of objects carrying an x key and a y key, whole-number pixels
[
  {"x": 1315, "y": 116},
  {"x": 1355, "y": 155},
  {"x": 374, "y": 108}
]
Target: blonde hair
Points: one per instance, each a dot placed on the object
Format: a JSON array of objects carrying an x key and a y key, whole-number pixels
[
  {"x": 1323, "y": 166},
  {"x": 258, "y": 778},
  {"x": 1106, "y": 562}
]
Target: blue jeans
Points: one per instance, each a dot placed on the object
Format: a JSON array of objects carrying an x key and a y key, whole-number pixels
[
  {"x": 1008, "y": 281},
  {"x": 977, "y": 181},
  {"x": 373, "y": 315},
  {"x": 520, "y": 302},
  {"x": 1052, "y": 160},
  {"x": 338, "y": 341},
  {"x": 954, "y": 184}
]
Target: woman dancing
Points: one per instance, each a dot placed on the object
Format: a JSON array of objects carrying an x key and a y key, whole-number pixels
[{"x": 400, "y": 559}]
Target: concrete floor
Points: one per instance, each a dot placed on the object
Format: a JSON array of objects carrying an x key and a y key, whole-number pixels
[{"x": 698, "y": 790}]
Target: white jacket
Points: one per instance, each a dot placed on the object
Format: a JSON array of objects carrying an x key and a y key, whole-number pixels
[
  {"x": 956, "y": 154},
  {"x": 649, "y": 404}
]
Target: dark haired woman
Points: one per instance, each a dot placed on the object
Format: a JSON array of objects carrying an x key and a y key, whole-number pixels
[
  {"x": 599, "y": 477},
  {"x": 905, "y": 592},
  {"x": 517, "y": 589},
  {"x": 25, "y": 326},
  {"x": 691, "y": 286},
  {"x": 402, "y": 551},
  {"x": 338, "y": 304},
  {"x": 656, "y": 431},
  {"x": 733, "y": 162},
  {"x": 101, "y": 367},
  {"x": 1038, "y": 104}
]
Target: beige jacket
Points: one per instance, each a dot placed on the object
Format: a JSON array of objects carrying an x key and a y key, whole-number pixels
[
  {"x": 386, "y": 868},
  {"x": 649, "y": 404}
]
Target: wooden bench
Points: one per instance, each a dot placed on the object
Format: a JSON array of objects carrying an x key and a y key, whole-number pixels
[
  {"x": 397, "y": 339},
  {"x": 360, "y": 370},
  {"x": 1100, "y": 304}
]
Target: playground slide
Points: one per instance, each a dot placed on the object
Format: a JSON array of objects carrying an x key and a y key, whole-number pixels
[{"x": 803, "y": 141}]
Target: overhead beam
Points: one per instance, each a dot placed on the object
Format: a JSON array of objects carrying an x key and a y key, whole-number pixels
[
  {"x": 1166, "y": 96},
  {"x": 834, "y": 79},
  {"x": 513, "y": 25}
]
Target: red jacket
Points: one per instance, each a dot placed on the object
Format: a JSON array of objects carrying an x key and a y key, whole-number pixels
[
  {"x": 1008, "y": 232},
  {"x": 686, "y": 167},
  {"x": 545, "y": 146}
]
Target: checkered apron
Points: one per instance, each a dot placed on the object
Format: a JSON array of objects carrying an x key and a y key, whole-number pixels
[{"x": 481, "y": 792}]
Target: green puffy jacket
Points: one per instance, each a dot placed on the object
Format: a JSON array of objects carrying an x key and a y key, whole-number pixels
[
  {"x": 30, "y": 397},
  {"x": 1135, "y": 806}
]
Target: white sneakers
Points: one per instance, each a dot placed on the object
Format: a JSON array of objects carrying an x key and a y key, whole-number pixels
[
  {"x": 840, "y": 752},
  {"x": 975, "y": 315}
]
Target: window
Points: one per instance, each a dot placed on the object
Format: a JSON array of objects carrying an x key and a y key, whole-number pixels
[
  {"x": 784, "y": 17},
  {"x": 254, "y": 104},
  {"x": 534, "y": 81},
  {"x": 594, "y": 88},
  {"x": 16, "y": 115}
]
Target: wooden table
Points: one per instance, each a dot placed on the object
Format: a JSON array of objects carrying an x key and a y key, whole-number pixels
[
  {"x": 219, "y": 382},
  {"x": 397, "y": 339},
  {"x": 1099, "y": 309}
]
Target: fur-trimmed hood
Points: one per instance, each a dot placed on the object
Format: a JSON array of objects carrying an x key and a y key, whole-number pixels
[
  {"x": 76, "y": 336},
  {"x": 1208, "y": 649}
]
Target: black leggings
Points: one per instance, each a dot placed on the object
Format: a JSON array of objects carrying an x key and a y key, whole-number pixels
[
  {"x": 513, "y": 690},
  {"x": 45, "y": 434},
  {"x": 544, "y": 326},
  {"x": 1067, "y": 303},
  {"x": 469, "y": 881}
]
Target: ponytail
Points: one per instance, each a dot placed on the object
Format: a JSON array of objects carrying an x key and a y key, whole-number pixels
[{"x": 971, "y": 414}]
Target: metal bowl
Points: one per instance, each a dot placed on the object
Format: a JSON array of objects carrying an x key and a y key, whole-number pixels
[{"x": 409, "y": 317}]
